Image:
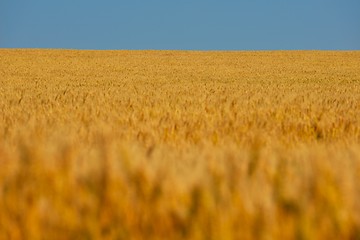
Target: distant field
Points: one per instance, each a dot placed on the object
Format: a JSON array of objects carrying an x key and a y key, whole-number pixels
[{"x": 179, "y": 145}]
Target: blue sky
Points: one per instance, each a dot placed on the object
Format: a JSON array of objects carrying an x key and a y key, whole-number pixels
[{"x": 191, "y": 25}]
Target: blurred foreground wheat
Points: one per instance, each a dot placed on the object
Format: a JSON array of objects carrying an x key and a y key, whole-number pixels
[{"x": 179, "y": 145}]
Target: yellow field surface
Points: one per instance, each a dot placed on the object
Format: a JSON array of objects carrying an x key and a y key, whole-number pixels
[{"x": 179, "y": 144}]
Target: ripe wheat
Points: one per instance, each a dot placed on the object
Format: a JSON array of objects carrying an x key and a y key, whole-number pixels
[{"x": 179, "y": 145}]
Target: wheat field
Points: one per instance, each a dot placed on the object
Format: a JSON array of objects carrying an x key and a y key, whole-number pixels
[{"x": 179, "y": 144}]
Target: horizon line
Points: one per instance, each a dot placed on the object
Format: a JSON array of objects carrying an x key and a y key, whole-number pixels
[{"x": 175, "y": 49}]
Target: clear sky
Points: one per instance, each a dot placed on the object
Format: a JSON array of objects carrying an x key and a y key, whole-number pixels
[{"x": 181, "y": 24}]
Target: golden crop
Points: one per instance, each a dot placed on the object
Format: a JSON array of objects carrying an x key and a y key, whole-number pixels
[{"x": 179, "y": 145}]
